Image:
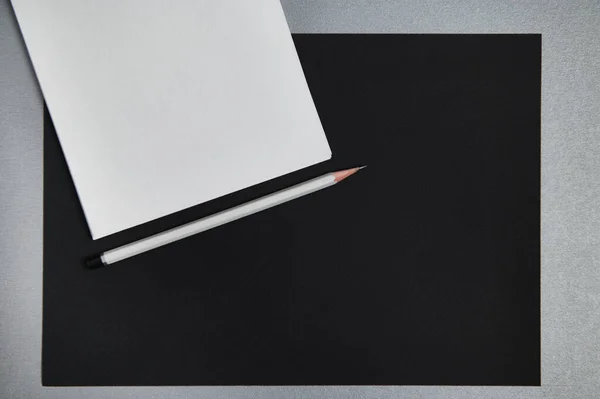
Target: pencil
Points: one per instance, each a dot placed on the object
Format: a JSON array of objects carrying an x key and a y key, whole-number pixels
[{"x": 218, "y": 219}]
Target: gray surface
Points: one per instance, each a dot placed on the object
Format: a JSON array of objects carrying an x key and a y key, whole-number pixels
[{"x": 570, "y": 194}]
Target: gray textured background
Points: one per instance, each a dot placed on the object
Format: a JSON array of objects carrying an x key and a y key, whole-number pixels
[{"x": 570, "y": 194}]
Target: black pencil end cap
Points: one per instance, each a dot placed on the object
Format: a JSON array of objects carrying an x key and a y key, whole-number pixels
[{"x": 94, "y": 262}]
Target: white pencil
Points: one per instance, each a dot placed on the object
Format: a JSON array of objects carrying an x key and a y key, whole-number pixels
[{"x": 218, "y": 219}]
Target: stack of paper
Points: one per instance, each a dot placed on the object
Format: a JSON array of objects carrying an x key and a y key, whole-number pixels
[{"x": 162, "y": 105}]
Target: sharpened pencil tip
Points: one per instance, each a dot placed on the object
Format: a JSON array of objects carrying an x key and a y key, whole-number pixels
[{"x": 343, "y": 174}]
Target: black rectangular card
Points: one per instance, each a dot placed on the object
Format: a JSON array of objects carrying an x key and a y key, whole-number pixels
[{"x": 423, "y": 269}]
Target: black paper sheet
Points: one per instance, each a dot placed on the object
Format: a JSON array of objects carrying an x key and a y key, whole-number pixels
[{"x": 423, "y": 269}]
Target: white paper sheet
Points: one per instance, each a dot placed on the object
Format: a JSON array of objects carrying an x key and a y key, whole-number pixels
[{"x": 162, "y": 105}]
